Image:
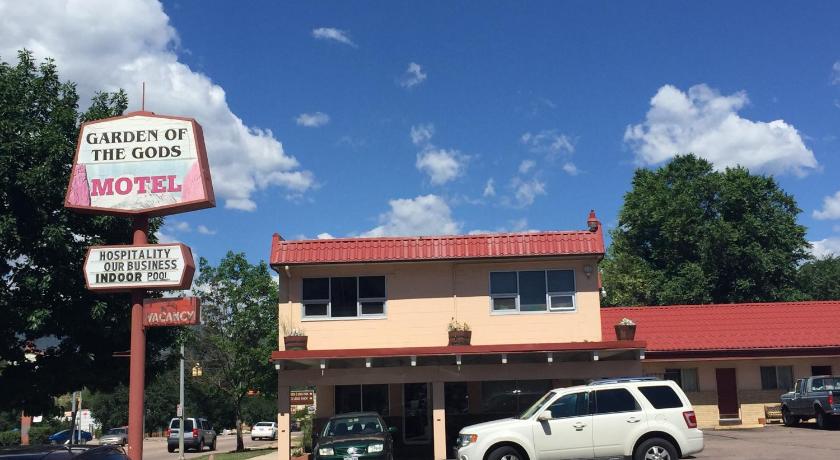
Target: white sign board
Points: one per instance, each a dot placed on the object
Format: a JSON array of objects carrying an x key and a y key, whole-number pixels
[
  {"x": 153, "y": 266},
  {"x": 140, "y": 163}
]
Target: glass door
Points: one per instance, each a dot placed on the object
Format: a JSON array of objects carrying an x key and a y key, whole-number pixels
[{"x": 416, "y": 417}]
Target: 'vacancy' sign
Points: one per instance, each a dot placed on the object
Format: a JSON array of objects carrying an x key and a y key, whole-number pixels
[
  {"x": 151, "y": 266},
  {"x": 171, "y": 312}
]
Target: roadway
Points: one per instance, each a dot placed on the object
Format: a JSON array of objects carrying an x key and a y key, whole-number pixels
[{"x": 155, "y": 448}]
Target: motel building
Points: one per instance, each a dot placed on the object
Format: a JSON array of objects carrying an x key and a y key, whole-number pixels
[{"x": 376, "y": 314}]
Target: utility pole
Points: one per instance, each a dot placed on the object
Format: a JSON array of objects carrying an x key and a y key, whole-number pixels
[{"x": 181, "y": 415}]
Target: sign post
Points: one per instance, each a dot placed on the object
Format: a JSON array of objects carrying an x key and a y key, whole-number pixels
[{"x": 140, "y": 165}]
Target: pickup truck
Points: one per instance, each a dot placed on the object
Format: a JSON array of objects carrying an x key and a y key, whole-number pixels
[{"x": 815, "y": 397}]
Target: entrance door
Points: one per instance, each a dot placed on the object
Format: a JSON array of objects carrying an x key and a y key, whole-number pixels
[
  {"x": 727, "y": 390},
  {"x": 416, "y": 417}
]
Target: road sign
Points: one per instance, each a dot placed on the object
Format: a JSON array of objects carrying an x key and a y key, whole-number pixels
[
  {"x": 147, "y": 266},
  {"x": 140, "y": 163},
  {"x": 183, "y": 311}
]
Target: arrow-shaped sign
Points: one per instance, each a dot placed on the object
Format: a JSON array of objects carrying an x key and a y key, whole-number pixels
[{"x": 149, "y": 266}]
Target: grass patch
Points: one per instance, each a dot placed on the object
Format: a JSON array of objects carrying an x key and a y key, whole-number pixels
[{"x": 240, "y": 455}]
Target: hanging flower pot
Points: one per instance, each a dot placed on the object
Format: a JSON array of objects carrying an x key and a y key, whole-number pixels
[
  {"x": 625, "y": 329},
  {"x": 460, "y": 337},
  {"x": 295, "y": 342}
]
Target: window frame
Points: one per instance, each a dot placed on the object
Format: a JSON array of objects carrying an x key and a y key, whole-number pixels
[
  {"x": 548, "y": 294},
  {"x": 777, "y": 379},
  {"x": 328, "y": 301}
]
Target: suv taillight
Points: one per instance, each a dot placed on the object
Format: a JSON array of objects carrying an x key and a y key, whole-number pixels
[
  {"x": 830, "y": 399},
  {"x": 690, "y": 419},
  {"x": 195, "y": 432}
]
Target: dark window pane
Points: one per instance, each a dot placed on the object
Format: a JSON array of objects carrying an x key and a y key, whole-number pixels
[
  {"x": 661, "y": 397},
  {"x": 316, "y": 288},
  {"x": 532, "y": 291},
  {"x": 373, "y": 308},
  {"x": 561, "y": 281},
  {"x": 314, "y": 309},
  {"x": 617, "y": 400},
  {"x": 343, "y": 299},
  {"x": 571, "y": 405},
  {"x": 674, "y": 375},
  {"x": 785, "y": 377},
  {"x": 504, "y": 303},
  {"x": 456, "y": 398},
  {"x": 503, "y": 283},
  {"x": 372, "y": 287},
  {"x": 820, "y": 370},
  {"x": 375, "y": 398},
  {"x": 768, "y": 378},
  {"x": 498, "y": 397},
  {"x": 348, "y": 398}
]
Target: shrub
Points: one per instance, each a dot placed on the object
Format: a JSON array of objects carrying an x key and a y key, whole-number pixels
[{"x": 9, "y": 438}]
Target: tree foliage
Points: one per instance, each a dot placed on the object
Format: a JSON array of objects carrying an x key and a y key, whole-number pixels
[
  {"x": 239, "y": 330},
  {"x": 820, "y": 279},
  {"x": 688, "y": 234},
  {"x": 42, "y": 246}
]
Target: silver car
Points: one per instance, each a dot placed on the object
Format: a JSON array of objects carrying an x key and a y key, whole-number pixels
[{"x": 115, "y": 436}]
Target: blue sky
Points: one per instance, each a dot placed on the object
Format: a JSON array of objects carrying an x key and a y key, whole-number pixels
[{"x": 371, "y": 118}]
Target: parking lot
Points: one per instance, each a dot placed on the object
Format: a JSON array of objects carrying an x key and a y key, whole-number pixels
[{"x": 772, "y": 442}]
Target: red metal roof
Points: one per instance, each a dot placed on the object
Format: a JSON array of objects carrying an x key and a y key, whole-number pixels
[
  {"x": 419, "y": 248},
  {"x": 730, "y": 327},
  {"x": 456, "y": 350}
]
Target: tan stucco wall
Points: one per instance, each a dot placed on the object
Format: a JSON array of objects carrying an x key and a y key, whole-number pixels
[
  {"x": 751, "y": 397},
  {"x": 423, "y": 297}
]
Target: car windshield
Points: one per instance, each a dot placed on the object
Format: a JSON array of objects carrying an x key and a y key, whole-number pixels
[
  {"x": 348, "y": 426},
  {"x": 116, "y": 431},
  {"x": 529, "y": 412}
]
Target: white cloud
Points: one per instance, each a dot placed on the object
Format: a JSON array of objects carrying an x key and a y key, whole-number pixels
[
  {"x": 516, "y": 225},
  {"x": 489, "y": 188},
  {"x": 835, "y": 73},
  {"x": 441, "y": 165},
  {"x": 330, "y": 33},
  {"x": 107, "y": 45},
  {"x": 422, "y": 134},
  {"x": 312, "y": 120},
  {"x": 164, "y": 237},
  {"x": 413, "y": 76},
  {"x": 325, "y": 236},
  {"x": 526, "y": 191},
  {"x": 179, "y": 226},
  {"x": 826, "y": 247},
  {"x": 526, "y": 166},
  {"x": 548, "y": 141},
  {"x": 205, "y": 231},
  {"x": 570, "y": 169},
  {"x": 706, "y": 123},
  {"x": 830, "y": 208},
  {"x": 423, "y": 215}
]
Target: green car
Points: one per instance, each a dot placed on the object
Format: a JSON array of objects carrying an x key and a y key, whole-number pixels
[{"x": 358, "y": 435}]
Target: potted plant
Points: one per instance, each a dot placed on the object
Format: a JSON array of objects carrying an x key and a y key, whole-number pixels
[
  {"x": 459, "y": 333},
  {"x": 625, "y": 329},
  {"x": 299, "y": 454},
  {"x": 294, "y": 338}
]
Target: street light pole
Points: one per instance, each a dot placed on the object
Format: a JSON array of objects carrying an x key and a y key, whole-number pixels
[{"x": 181, "y": 431}]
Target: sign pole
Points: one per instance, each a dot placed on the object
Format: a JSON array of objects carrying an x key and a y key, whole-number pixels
[{"x": 136, "y": 390}]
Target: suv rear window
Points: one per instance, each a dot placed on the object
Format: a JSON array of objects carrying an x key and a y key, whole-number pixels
[
  {"x": 661, "y": 396},
  {"x": 176, "y": 423},
  {"x": 616, "y": 400}
]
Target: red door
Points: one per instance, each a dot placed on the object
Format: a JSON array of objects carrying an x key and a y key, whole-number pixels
[{"x": 727, "y": 390}]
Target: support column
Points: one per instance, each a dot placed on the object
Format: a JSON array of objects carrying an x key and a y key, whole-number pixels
[
  {"x": 137, "y": 365},
  {"x": 438, "y": 421},
  {"x": 284, "y": 420}
]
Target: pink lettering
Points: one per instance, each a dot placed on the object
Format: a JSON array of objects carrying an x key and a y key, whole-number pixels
[
  {"x": 172, "y": 186},
  {"x": 123, "y": 186},
  {"x": 157, "y": 184},
  {"x": 102, "y": 187},
  {"x": 141, "y": 182}
]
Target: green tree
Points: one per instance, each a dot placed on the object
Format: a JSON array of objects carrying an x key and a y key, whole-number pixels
[
  {"x": 42, "y": 246},
  {"x": 689, "y": 234},
  {"x": 110, "y": 408},
  {"x": 239, "y": 330},
  {"x": 820, "y": 279}
]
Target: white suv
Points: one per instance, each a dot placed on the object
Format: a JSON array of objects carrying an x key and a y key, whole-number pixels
[{"x": 640, "y": 418}]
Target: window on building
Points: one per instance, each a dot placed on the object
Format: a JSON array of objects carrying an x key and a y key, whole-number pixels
[
  {"x": 361, "y": 398},
  {"x": 456, "y": 398},
  {"x": 612, "y": 401},
  {"x": 532, "y": 291},
  {"x": 686, "y": 378},
  {"x": 820, "y": 370},
  {"x": 343, "y": 297},
  {"x": 776, "y": 377},
  {"x": 510, "y": 397}
]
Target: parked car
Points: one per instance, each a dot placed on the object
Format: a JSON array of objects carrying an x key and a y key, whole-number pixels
[
  {"x": 63, "y": 452},
  {"x": 63, "y": 437},
  {"x": 639, "y": 418},
  {"x": 265, "y": 430},
  {"x": 197, "y": 434},
  {"x": 358, "y": 435},
  {"x": 115, "y": 436},
  {"x": 815, "y": 398}
]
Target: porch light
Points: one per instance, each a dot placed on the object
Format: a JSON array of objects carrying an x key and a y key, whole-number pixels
[
  {"x": 587, "y": 270},
  {"x": 197, "y": 371}
]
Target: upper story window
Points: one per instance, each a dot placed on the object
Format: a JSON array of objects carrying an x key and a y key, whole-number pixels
[
  {"x": 532, "y": 291},
  {"x": 343, "y": 297}
]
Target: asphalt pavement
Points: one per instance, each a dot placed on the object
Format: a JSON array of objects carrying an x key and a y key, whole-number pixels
[
  {"x": 155, "y": 448},
  {"x": 774, "y": 442}
]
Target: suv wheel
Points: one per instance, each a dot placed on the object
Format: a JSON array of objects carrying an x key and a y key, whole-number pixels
[
  {"x": 822, "y": 420},
  {"x": 170, "y": 449},
  {"x": 655, "y": 449},
  {"x": 788, "y": 419},
  {"x": 201, "y": 445},
  {"x": 505, "y": 453},
  {"x": 213, "y": 444}
]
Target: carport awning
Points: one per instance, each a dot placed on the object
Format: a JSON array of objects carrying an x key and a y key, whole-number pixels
[{"x": 462, "y": 354}]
